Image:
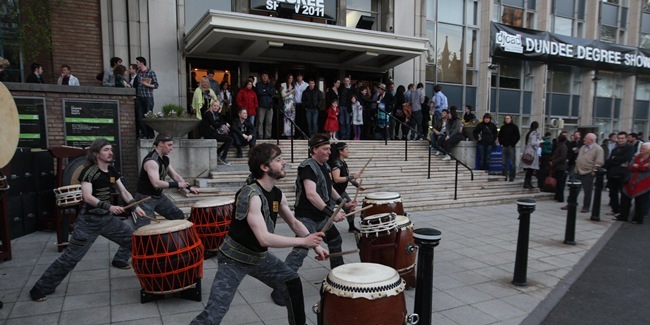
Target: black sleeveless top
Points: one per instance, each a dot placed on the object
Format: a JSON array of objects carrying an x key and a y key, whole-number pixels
[
  {"x": 242, "y": 233},
  {"x": 343, "y": 166},
  {"x": 144, "y": 184}
]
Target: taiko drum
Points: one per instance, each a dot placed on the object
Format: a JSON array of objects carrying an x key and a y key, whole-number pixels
[
  {"x": 212, "y": 220},
  {"x": 382, "y": 202}
]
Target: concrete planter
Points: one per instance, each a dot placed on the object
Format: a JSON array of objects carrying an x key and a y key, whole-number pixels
[
  {"x": 175, "y": 127},
  {"x": 465, "y": 151},
  {"x": 467, "y": 132}
]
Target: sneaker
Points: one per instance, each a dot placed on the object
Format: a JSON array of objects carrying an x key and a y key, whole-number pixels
[
  {"x": 120, "y": 265},
  {"x": 223, "y": 161},
  {"x": 37, "y": 295},
  {"x": 447, "y": 158}
]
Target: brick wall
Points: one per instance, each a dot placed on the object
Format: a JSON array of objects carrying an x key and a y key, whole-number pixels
[{"x": 54, "y": 96}]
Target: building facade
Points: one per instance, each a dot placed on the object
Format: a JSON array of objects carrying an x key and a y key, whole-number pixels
[{"x": 447, "y": 42}]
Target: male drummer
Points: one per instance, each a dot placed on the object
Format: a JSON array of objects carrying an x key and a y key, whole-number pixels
[
  {"x": 155, "y": 168},
  {"x": 96, "y": 217},
  {"x": 245, "y": 248},
  {"x": 315, "y": 199}
]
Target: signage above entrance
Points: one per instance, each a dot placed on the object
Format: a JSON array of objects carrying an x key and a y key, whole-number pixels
[
  {"x": 325, "y": 9},
  {"x": 528, "y": 44}
]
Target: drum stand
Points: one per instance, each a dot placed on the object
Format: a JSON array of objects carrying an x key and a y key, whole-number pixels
[
  {"x": 191, "y": 293},
  {"x": 5, "y": 247},
  {"x": 65, "y": 217}
]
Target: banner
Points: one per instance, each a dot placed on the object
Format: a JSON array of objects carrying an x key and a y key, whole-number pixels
[
  {"x": 312, "y": 8},
  {"x": 534, "y": 45}
]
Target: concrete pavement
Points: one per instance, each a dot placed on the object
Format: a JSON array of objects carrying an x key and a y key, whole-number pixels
[{"x": 473, "y": 267}]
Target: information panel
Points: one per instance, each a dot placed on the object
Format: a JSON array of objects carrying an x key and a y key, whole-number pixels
[
  {"x": 312, "y": 8},
  {"x": 31, "y": 113},
  {"x": 86, "y": 120}
]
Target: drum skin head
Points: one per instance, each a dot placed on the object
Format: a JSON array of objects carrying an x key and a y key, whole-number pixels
[
  {"x": 163, "y": 227},
  {"x": 10, "y": 130},
  {"x": 402, "y": 220},
  {"x": 209, "y": 203},
  {"x": 383, "y": 196},
  {"x": 364, "y": 280}
]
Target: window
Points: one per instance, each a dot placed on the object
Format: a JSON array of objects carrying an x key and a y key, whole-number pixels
[
  {"x": 568, "y": 17},
  {"x": 613, "y": 20},
  {"x": 519, "y": 13},
  {"x": 453, "y": 12},
  {"x": 450, "y": 49},
  {"x": 358, "y": 8}
]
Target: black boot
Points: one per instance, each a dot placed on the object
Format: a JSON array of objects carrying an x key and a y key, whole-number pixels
[
  {"x": 528, "y": 179},
  {"x": 239, "y": 153}
]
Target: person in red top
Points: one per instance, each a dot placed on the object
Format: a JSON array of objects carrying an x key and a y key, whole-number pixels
[
  {"x": 332, "y": 122},
  {"x": 246, "y": 98},
  {"x": 638, "y": 187}
]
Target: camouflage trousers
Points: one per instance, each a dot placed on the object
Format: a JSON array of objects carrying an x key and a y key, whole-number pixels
[
  {"x": 271, "y": 271},
  {"x": 87, "y": 228}
]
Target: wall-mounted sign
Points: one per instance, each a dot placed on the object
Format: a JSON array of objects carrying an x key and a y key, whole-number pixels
[
  {"x": 85, "y": 120},
  {"x": 528, "y": 44},
  {"x": 31, "y": 113},
  {"x": 312, "y": 8}
]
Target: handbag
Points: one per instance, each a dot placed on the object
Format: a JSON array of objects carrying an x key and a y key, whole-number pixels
[
  {"x": 550, "y": 183},
  {"x": 527, "y": 158}
]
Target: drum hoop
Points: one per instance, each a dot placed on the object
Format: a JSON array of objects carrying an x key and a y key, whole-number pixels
[
  {"x": 163, "y": 227},
  {"x": 66, "y": 189},
  {"x": 213, "y": 203}
]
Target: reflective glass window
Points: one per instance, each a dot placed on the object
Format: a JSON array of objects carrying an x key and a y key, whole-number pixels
[
  {"x": 563, "y": 26},
  {"x": 452, "y": 11},
  {"x": 450, "y": 47},
  {"x": 564, "y": 8}
]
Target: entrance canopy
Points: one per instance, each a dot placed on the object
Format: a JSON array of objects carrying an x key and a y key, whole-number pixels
[{"x": 242, "y": 37}]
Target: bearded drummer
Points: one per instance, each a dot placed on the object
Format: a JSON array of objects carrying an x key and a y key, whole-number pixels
[
  {"x": 315, "y": 201},
  {"x": 97, "y": 217},
  {"x": 245, "y": 248},
  {"x": 152, "y": 181}
]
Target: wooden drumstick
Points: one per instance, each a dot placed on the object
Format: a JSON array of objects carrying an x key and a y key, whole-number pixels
[
  {"x": 330, "y": 221},
  {"x": 136, "y": 203},
  {"x": 152, "y": 219},
  {"x": 359, "y": 210},
  {"x": 343, "y": 253},
  {"x": 197, "y": 176},
  {"x": 357, "y": 192},
  {"x": 366, "y": 165}
]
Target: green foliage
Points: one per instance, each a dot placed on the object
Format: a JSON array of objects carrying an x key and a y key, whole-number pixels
[{"x": 171, "y": 110}]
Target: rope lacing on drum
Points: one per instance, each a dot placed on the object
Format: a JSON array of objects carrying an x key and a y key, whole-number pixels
[{"x": 383, "y": 288}]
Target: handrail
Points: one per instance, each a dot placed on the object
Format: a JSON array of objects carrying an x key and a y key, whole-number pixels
[
  {"x": 435, "y": 145},
  {"x": 295, "y": 127}
]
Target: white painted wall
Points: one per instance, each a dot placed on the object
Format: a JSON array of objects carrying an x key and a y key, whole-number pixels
[
  {"x": 164, "y": 52},
  {"x": 404, "y": 73}
]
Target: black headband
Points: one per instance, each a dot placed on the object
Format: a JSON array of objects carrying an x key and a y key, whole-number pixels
[
  {"x": 272, "y": 158},
  {"x": 318, "y": 144}
]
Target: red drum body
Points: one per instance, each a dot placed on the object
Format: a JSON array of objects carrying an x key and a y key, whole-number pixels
[
  {"x": 167, "y": 257},
  {"x": 212, "y": 220},
  {"x": 362, "y": 293},
  {"x": 396, "y": 248},
  {"x": 382, "y": 202}
]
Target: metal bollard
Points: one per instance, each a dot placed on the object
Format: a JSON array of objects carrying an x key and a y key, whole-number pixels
[
  {"x": 572, "y": 201},
  {"x": 600, "y": 182},
  {"x": 525, "y": 208},
  {"x": 426, "y": 239}
]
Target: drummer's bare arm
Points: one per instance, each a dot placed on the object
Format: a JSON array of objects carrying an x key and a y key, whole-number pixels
[
  {"x": 336, "y": 176},
  {"x": 255, "y": 220},
  {"x": 178, "y": 178},
  {"x": 127, "y": 197},
  {"x": 87, "y": 194}
]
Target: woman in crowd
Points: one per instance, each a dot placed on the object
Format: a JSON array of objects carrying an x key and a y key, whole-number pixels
[
  {"x": 226, "y": 99},
  {"x": 530, "y": 158},
  {"x": 559, "y": 165},
  {"x": 341, "y": 175},
  {"x": 120, "y": 77},
  {"x": 202, "y": 97},
  {"x": 638, "y": 187},
  {"x": 400, "y": 101},
  {"x": 213, "y": 126},
  {"x": 288, "y": 90},
  {"x": 247, "y": 98}
]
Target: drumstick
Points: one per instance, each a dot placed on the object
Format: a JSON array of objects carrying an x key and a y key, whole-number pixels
[
  {"x": 343, "y": 253},
  {"x": 136, "y": 203},
  {"x": 152, "y": 219},
  {"x": 330, "y": 221},
  {"x": 366, "y": 165},
  {"x": 355, "y": 211},
  {"x": 357, "y": 192},
  {"x": 197, "y": 176}
]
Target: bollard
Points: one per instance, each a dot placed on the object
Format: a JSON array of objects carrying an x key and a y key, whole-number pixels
[
  {"x": 572, "y": 201},
  {"x": 525, "y": 208},
  {"x": 600, "y": 182},
  {"x": 426, "y": 239}
]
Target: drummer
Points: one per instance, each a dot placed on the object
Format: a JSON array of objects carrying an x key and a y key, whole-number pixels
[
  {"x": 315, "y": 199},
  {"x": 341, "y": 176},
  {"x": 155, "y": 168},
  {"x": 245, "y": 249},
  {"x": 97, "y": 217}
]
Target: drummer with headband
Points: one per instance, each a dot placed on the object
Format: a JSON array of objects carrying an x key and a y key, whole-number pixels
[
  {"x": 341, "y": 176},
  {"x": 245, "y": 248},
  {"x": 154, "y": 171},
  {"x": 315, "y": 199},
  {"x": 97, "y": 217}
]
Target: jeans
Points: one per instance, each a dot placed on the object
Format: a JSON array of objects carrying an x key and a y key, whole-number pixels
[
  {"x": 312, "y": 120},
  {"x": 641, "y": 205},
  {"x": 344, "y": 122},
  {"x": 614, "y": 185},
  {"x": 239, "y": 141},
  {"x": 588, "y": 187},
  {"x": 416, "y": 124},
  {"x": 332, "y": 238},
  {"x": 161, "y": 205},
  {"x": 508, "y": 165},
  {"x": 484, "y": 156},
  {"x": 230, "y": 273},
  {"x": 86, "y": 230},
  {"x": 264, "y": 122},
  {"x": 560, "y": 177},
  {"x": 142, "y": 106}
]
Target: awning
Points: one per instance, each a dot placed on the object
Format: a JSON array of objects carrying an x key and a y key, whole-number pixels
[{"x": 235, "y": 36}]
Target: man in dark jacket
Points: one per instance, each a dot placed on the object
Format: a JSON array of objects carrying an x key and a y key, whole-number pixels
[
  {"x": 617, "y": 172},
  {"x": 486, "y": 135},
  {"x": 265, "y": 91},
  {"x": 312, "y": 100},
  {"x": 508, "y": 137},
  {"x": 574, "y": 148},
  {"x": 242, "y": 131}
]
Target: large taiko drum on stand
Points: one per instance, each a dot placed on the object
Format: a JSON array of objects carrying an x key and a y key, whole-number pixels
[
  {"x": 212, "y": 220},
  {"x": 167, "y": 257},
  {"x": 387, "y": 239},
  {"x": 363, "y": 293},
  {"x": 383, "y": 202}
]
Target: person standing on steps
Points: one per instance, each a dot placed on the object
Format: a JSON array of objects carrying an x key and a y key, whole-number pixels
[
  {"x": 533, "y": 139},
  {"x": 508, "y": 138}
]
